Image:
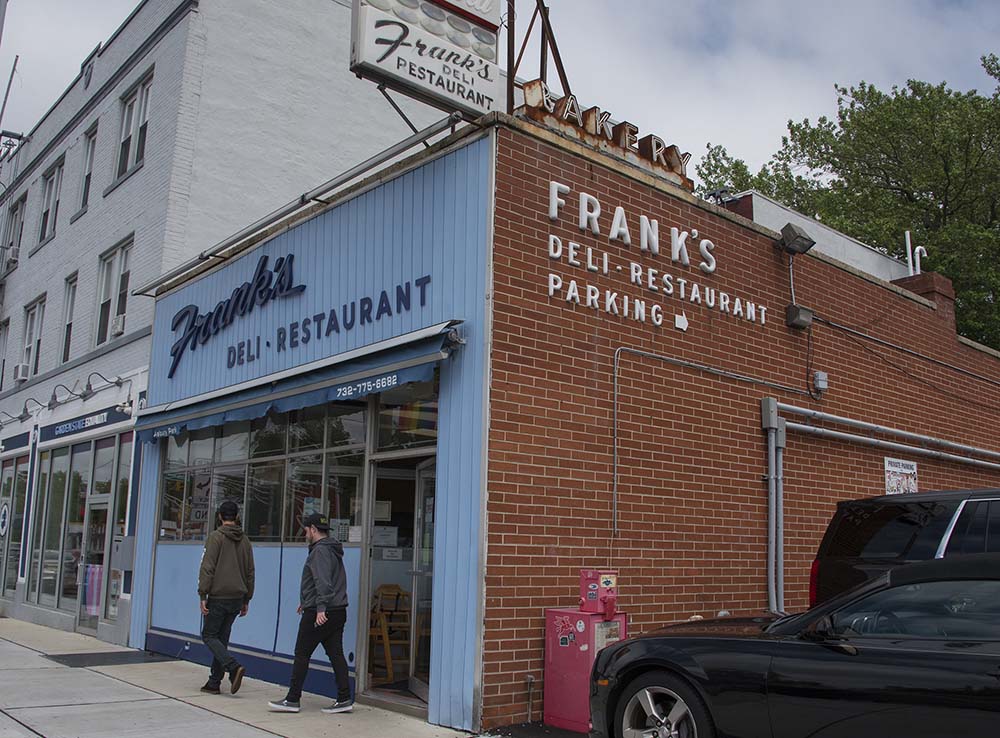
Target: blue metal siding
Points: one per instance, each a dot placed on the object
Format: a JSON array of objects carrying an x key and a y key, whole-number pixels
[
  {"x": 145, "y": 538},
  {"x": 430, "y": 221}
]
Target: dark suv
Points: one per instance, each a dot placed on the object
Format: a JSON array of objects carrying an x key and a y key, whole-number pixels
[{"x": 867, "y": 537}]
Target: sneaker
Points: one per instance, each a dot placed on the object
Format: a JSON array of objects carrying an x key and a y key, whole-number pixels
[
  {"x": 236, "y": 679},
  {"x": 210, "y": 688},
  {"x": 339, "y": 706},
  {"x": 283, "y": 706}
]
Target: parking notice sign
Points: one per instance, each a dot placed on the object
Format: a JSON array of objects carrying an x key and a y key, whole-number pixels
[{"x": 900, "y": 476}]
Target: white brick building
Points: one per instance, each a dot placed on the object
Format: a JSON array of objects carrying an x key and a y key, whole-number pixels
[{"x": 195, "y": 118}]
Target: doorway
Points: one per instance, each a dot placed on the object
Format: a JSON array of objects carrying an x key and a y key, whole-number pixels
[
  {"x": 92, "y": 568},
  {"x": 401, "y": 551}
]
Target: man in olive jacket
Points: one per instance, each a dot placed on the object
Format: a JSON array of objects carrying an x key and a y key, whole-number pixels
[
  {"x": 225, "y": 588},
  {"x": 323, "y": 605}
]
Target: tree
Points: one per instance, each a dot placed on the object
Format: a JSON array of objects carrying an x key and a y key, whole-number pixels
[{"x": 923, "y": 158}]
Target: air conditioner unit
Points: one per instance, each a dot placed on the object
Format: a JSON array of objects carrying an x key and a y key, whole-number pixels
[
  {"x": 21, "y": 373},
  {"x": 118, "y": 326},
  {"x": 13, "y": 254}
]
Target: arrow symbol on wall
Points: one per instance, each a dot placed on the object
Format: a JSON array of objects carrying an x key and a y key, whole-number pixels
[{"x": 681, "y": 321}]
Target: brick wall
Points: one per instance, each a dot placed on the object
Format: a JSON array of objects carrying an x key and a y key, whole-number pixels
[{"x": 692, "y": 457}]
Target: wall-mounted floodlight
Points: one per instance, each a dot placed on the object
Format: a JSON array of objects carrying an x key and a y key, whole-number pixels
[{"x": 794, "y": 240}]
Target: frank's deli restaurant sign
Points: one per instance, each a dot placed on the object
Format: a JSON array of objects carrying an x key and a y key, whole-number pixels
[{"x": 669, "y": 280}]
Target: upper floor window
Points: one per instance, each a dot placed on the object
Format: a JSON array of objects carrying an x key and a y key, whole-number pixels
[
  {"x": 89, "y": 147},
  {"x": 4, "y": 331},
  {"x": 51, "y": 186},
  {"x": 135, "y": 109},
  {"x": 15, "y": 227},
  {"x": 69, "y": 305},
  {"x": 34, "y": 315},
  {"x": 113, "y": 293}
]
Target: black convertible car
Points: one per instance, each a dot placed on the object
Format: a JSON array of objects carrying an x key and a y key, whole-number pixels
[{"x": 914, "y": 653}]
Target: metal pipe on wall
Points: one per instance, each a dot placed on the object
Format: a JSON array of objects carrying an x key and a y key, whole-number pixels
[
  {"x": 817, "y": 415},
  {"x": 769, "y": 422},
  {"x": 779, "y": 515},
  {"x": 891, "y": 445}
]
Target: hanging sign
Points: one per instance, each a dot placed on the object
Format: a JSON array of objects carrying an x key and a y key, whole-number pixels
[
  {"x": 4, "y": 519},
  {"x": 430, "y": 52}
]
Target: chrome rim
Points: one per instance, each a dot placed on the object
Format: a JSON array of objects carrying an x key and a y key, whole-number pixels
[{"x": 657, "y": 712}]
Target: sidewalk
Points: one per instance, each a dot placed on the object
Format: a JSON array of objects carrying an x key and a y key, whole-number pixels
[{"x": 94, "y": 697}]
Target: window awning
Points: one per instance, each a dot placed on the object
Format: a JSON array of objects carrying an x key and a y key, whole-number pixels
[{"x": 349, "y": 376}]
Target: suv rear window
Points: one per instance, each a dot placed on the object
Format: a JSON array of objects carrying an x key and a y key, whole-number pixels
[{"x": 911, "y": 530}]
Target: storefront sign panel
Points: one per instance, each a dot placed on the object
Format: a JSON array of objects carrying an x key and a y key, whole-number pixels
[
  {"x": 82, "y": 423},
  {"x": 391, "y": 261}
]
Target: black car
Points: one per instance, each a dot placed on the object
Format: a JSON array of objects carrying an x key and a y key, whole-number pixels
[
  {"x": 913, "y": 653},
  {"x": 867, "y": 537}
]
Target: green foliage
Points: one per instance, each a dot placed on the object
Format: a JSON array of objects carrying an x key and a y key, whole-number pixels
[{"x": 923, "y": 158}]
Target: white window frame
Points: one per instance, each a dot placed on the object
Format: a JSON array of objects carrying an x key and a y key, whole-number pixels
[
  {"x": 34, "y": 321},
  {"x": 51, "y": 187},
  {"x": 15, "y": 228},
  {"x": 89, "y": 149},
  {"x": 113, "y": 276},
  {"x": 4, "y": 334},
  {"x": 69, "y": 306},
  {"x": 132, "y": 138}
]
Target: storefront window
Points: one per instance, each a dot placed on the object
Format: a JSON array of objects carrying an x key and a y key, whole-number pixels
[
  {"x": 202, "y": 446},
  {"x": 343, "y": 493},
  {"x": 408, "y": 417},
  {"x": 305, "y": 494},
  {"x": 234, "y": 443},
  {"x": 177, "y": 450},
  {"x": 76, "y": 508},
  {"x": 346, "y": 425},
  {"x": 119, "y": 521},
  {"x": 263, "y": 512},
  {"x": 228, "y": 483},
  {"x": 104, "y": 465},
  {"x": 172, "y": 505},
  {"x": 267, "y": 436},
  {"x": 197, "y": 504},
  {"x": 10, "y": 555},
  {"x": 52, "y": 528},
  {"x": 44, "y": 474},
  {"x": 305, "y": 429}
]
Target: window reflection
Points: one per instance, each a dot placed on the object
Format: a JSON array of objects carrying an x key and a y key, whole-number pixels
[
  {"x": 305, "y": 494},
  {"x": 408, "y": 417},
  {"x": 263, "y": 511}
]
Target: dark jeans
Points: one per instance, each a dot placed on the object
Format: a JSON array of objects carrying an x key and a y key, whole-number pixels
[
  {"x": 331, "y": 635},
  {"x": 215, "y": 633}
]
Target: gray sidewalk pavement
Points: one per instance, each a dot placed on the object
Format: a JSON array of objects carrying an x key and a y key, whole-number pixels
[{"x": 42, "y": 697}]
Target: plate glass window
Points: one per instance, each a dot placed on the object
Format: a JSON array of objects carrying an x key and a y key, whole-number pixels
[
  {"x": 69, "y": 303},
  {"x": 89, "y": 148},
  {"x": 33, "y": 319},
  {"x": 135, "y": 109},
  {"x": 115, "y": 270},
  {"x": 51, "y": 186}
]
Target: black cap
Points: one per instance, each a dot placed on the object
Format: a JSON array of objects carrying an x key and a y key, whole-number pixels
[
  {"x": 321, "y": 522},
  {"x": 229, "y": 510}
]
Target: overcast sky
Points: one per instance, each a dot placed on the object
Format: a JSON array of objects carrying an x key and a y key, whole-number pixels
[{"x": 726, "y": 71}]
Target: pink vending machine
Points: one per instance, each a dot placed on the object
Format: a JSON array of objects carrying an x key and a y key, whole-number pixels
[{"x": 572, "y": 639}]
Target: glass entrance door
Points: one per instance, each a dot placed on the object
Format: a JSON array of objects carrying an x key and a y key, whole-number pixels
[
  {"x": 423, "y": 581},
  {"x": 92, "y": 567}
]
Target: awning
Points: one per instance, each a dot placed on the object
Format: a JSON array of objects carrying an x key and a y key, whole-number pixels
[{"x": 351, "y": 376}]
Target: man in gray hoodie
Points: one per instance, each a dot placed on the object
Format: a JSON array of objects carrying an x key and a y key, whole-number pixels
[{"x": 323, "y": 605}]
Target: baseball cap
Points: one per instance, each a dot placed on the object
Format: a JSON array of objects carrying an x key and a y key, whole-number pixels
[
  {"x": 315, "y": 519},
  {"x": 229, "y": 510}
]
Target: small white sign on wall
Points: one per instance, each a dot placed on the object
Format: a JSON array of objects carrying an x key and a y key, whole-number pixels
[{"x": 900, "y": 476}]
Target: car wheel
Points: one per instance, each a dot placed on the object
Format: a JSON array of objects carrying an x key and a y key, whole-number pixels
[{"x": 661, "y": 705}]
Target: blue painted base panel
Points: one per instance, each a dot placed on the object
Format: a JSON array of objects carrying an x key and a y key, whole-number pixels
[{"x": 259, "y": 664}]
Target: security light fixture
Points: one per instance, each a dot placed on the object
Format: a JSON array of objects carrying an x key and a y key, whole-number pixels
[
  {"x": 798, "y": 316},
  {"x": 794, "y": 240}
]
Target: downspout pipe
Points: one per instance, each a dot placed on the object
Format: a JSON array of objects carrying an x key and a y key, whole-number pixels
[
  {"x": 779, "y": 514},
  {"x": 769, "y": 422}
]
